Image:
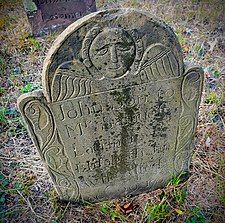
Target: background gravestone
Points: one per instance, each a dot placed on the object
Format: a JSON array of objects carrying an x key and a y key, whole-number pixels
[
  {"x": 45, "y": 15},
  {"x": 118, "y": 112}
]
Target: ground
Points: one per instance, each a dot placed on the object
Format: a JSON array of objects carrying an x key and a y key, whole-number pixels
[{"x": 26, "y": 192}]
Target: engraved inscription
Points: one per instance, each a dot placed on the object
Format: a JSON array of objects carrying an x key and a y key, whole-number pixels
[
  {"x": 66, "y": 9},
  {"x": 52, "y": 1},
  {"x": 122, "y": 129},
  {"x": 56, "y": 14}
]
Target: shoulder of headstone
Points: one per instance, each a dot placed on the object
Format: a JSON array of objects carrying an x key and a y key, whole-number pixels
[
  {"x": 27, "y": 97},
  {"x": 190, "y": 67}
]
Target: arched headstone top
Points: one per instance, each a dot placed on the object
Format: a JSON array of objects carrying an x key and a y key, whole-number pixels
[{"x": 112, "y": 44}]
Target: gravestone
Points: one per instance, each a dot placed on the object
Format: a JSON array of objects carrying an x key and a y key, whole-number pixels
[
  {"x": 118, "y": 112},
  {"x": 50, "y": 15}
]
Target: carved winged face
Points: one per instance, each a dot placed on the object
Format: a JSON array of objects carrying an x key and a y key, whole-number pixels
[{"x": 112, "y": 52}]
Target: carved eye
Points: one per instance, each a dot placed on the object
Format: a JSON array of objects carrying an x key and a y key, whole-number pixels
[{"x": 102, "y": 51}]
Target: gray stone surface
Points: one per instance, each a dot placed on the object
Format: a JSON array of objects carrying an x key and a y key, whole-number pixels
[
  {"x": 51, "y": 15},
  {"x": 118, "y": 111}
]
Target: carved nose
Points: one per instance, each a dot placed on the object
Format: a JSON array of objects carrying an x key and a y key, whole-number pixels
[{"x": 114, "y": 58}]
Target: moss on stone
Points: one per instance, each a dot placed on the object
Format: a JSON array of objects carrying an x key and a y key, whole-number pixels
[{"x": 29, "y": 6}]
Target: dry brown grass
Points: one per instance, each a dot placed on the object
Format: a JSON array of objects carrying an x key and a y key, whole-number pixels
[{"x": 27, "y": 194}]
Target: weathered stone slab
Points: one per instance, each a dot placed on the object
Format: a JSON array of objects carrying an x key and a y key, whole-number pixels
[
  {"x": 50, "y": 15},
  {"x": 118, "y": 111}
]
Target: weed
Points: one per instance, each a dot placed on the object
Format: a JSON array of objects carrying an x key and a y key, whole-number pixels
[
  {"x": 180, "y": 196},
  {"x": 177, "y": 179},
  {"x": 190, "y": 15},
  {"x": 209, "y": 11},
  {"x": 28, "y": 42},
  {"x": 134, "y": 3},
  {"x": 196, "y": 216},
  {"x": 3, "y": 119},
  {"x": 216, "y": 73},
  {"x": 2, "y": 91},
  {"x": 158, "y": 212},
  {"x": 108, "y": 209},
  {"x": 35, "y": 44},
  {"x": 11, "y": 117},
  {"x": 3, "y": 22},
  {"x": 15, "y": 130},
  {"x": 182, "y": 40},
  {"x": 3, "y": 63},
  {"x": 220, "y": 179},
  {"x": 171, "y": 202},
  {"x": 199, "y": 50},
  {"x": 27, "y": 88},
  {"x": 213, "y": 98},
  {"x": 9, "y": 191},
  {"x": 52, "y": 196}
]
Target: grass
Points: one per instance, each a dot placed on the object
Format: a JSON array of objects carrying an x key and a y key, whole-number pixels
[
  {"x": 196, "y": 216},
  {"x": 27, "y": 88},
  {"x": 214, "y": 98},
  {"x": 26, "y": 192},
  {"x": 158, "y": 212},
  {"x": 111, "y": 211},
  {"x": 3, "y": 119},
  {"x": 8, "y": 194},
  {"x": 171, "y": 203},
  {"x": 220, "y": 178}
]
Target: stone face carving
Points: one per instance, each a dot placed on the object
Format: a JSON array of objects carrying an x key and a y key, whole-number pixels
[
  {"x": 111, "y": 52},
  {"x": 118, "y": 111}
]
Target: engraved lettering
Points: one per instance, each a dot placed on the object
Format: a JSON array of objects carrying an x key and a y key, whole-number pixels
[
  {"x": 70, "y": 131},
  {"x": 72, "y": 114}
]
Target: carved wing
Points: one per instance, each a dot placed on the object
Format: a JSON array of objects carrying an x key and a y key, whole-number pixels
[
  {"x": 72, "y": 79},
  {"x": 60, "y": 168},
  {"x": 192, "y": 88},
  {"x": 191, "y": 96},
  {"x": 158, "y": 63},
  {"x": 40, "y": 122},
  {"x": 39, "y": 118}
]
